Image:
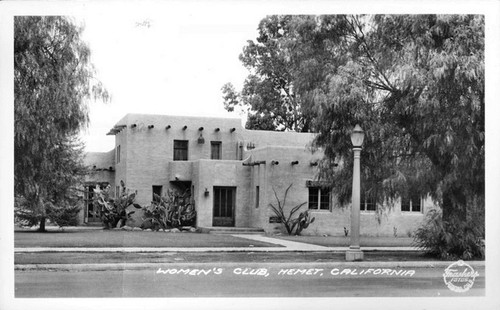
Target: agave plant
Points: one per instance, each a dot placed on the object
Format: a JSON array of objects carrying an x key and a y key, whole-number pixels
[
  {"x": 114, "y": 212},
  {"x": 288, "y": 221}
]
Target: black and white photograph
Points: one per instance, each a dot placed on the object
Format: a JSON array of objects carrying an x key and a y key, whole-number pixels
[{"x": 221, "y": 155}]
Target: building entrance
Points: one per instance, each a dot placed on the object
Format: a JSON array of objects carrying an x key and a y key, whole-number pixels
[
  {"x": 224, "y": 205},
  {"x": 92, "y": 211}
]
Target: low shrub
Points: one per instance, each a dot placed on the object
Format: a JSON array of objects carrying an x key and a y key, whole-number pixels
[
  {"x": 64, "y": 213},
  {"x": 450, "y": 240}
]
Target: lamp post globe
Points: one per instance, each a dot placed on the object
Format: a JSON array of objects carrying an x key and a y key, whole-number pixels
[
  {"x": 357, "y": 137},
  {"x": 354, "y": 252}
]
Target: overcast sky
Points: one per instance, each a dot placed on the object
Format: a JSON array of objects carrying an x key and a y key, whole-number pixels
[{"x": 170, "y": 64}]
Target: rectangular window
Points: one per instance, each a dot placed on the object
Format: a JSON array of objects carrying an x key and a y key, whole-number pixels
[
  {"x": 406, "y": 204},
  {"x": 319, "y": 198},
  {"x": 257, "y": 196},
  {"x": 367, "y": 203},
  {"x": 180, "y": 150},
  {"x": 216, "y": 150},
  {"x": 411, "y": 203},
  {"x": 157, "y": 189},
  {"x": 118, "y": 151}
]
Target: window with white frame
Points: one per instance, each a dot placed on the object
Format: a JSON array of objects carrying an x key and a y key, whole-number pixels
[
  {"x": 367, "y": 203},
  {"x": 319, "y": 198},
  {"x": 411, "y": 203}
]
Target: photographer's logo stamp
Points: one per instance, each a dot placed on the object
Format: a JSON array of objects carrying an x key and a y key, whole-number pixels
[{"x": 459, "y": 276}]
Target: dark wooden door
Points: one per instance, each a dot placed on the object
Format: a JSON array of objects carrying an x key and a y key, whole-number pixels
[{"x": 224, "y": 206}]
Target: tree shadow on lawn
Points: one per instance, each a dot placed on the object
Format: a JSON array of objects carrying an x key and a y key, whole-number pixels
[
  {"x": 118, "y": 238},
  {"x": 46, "y": 232}
]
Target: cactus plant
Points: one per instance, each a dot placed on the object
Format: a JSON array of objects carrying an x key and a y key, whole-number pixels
[
  {"x": 114, "y": 211},
  {"x": 302, "y": 222},
  {"x": 171, "y": 211}
]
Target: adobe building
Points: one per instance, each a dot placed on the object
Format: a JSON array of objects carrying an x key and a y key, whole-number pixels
[{"x": 233, "y": 174}]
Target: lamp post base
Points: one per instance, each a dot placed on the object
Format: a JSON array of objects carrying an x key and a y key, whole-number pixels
[{"x": 354, "y": 255}]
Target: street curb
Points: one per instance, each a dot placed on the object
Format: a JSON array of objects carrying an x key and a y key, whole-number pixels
[
  {"x": 154, "y": 266},
  {"x": 208, "y": 250}
]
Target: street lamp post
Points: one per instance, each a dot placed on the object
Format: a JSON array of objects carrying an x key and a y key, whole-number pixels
[{"x": 354, "y": 252}]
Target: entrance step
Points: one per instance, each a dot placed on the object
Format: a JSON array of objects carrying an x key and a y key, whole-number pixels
[
  {"x": 93, "y": 224},
  {"x": 232, "y": 230}
]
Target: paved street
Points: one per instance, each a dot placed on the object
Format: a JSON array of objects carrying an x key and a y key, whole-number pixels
[
  {"x": 224, "y": 266},
  {"x": 243, "y": 280}
]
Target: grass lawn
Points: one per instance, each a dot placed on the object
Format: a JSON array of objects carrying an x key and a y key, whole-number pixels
[
  {"x": 331, "y": 241},
  {"x": 120, "y": 238}
]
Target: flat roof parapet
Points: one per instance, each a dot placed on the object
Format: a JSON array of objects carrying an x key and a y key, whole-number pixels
[{"x": 116, "y": 129}]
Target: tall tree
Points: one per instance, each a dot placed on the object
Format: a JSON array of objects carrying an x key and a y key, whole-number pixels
[
  {"x": 53, "y": 81},
  {"x": 416, "y": 85},
  {"x": 268, "y": 93}
]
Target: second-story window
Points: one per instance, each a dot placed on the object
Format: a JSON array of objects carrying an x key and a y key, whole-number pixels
[
  {"x": 180, "y": 150},
  {"x": 118, "y": 154},
  {"x": 216, "y": 150}
]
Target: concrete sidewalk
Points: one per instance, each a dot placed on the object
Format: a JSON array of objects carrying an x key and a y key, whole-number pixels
[{"x": 282, "y": 246}]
